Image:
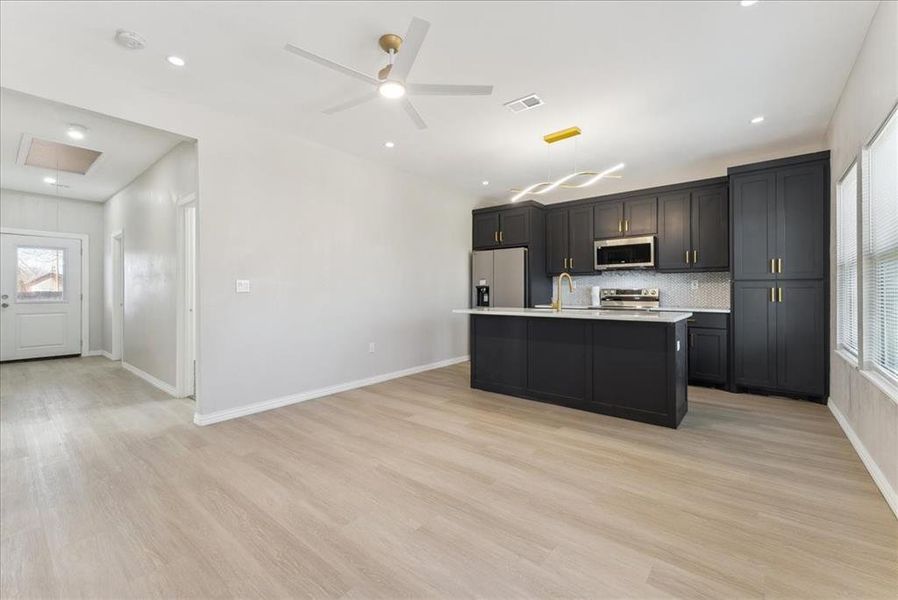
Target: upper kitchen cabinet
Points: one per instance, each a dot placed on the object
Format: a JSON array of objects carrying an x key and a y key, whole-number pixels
[
  {"x": 693, "y": 229},
  {"x": 779, "y": 222},
  {"x": 503, "y": 227},
  {"x": 569, "y": 240},
  {"x": 624, "y": 218}
]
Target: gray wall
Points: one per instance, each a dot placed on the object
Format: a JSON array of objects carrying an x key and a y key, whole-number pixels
[
  {"x": 146, "y": 212},
  {"x": 870, "y": 93},
  {"x": 23, "y": 210}
]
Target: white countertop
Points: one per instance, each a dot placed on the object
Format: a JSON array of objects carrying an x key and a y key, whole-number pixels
[
  {"x": 643, "y": 316},
  {"x": 661, "y": 309}
]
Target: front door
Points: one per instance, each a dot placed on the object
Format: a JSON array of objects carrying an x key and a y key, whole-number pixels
[{"x": 40, "y": 296}]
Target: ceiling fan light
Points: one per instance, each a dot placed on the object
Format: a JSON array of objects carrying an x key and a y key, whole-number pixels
[{"x": 391, "y": 89}]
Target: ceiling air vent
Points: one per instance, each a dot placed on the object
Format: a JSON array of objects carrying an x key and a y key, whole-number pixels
[{"x": 525, "y": 103}]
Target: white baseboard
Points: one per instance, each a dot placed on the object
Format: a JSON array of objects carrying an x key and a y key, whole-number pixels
[
  {"x": 107, "y": 355},
  {"x": 94, "y": 353},
  {"x": 168, "y": 389},
  {"x": 887, "y": 491},
  {"x": 256, "y": 407}
]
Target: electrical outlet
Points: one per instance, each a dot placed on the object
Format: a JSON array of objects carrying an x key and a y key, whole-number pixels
[
  {"x": 694, "y": 284},
  {"x": 243, "y": 286},
  {"x": 370, "y": 347}
]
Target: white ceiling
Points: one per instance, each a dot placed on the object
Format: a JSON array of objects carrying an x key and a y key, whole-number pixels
[
  {"x": 666, "y": 87},
  {"x": 128, "y": 149}
]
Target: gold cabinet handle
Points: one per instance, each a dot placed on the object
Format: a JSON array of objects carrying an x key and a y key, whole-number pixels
[
  {"x": 571, "y": 262},
  {"x": 626, "y": 224},
  {"x": 495, "y": 236},
  {"x": 779, "y": 294},
  {"x": 779, "y": 265},
  {"x": 565, "y": 263},
  {"x": 773, "y": 265},
  {"x": 772, "y": 292},
  {"x": 687, "y": 257},
  {"x": 694, "y": 256},
  {"x": 500, "y": 236},
  {"x": 620, "y": 226}
]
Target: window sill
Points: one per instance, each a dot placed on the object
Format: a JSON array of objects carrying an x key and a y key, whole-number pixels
[
  {"x": 883, "y": 383},
  {"x": 851, "y": 359}
]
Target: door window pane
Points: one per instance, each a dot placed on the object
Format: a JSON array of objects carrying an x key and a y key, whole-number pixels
[{"x": 40, "y": 274}]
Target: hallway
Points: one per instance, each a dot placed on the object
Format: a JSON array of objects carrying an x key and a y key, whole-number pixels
[{"x": 422, "y": 487}]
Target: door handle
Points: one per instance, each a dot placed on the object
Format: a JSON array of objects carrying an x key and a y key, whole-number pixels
[
  {"x": 500, "y": 236},
  {"x": 565, "y": 263},
  {"x": 779, "y": 265},
  {"x": 779, "y": 294},
  {"x": 772, "y": 292},
  {"x": 626, "y": 224},
  {"x": 620, "y": 226},
  {"x": 571, "y": 262},
  {"x": 773, "y": 265},
  {"x": 687, "y": 257},
  {"x": 694, "y": 256}
]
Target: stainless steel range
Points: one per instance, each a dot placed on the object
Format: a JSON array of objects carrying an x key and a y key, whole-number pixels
[{"x": 630, "y": 299}]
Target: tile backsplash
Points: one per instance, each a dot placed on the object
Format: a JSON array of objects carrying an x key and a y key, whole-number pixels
[{"x": 713, "y": 289}]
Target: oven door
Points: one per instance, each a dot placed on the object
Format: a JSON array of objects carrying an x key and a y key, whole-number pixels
[{"x": 625, "y": 253}]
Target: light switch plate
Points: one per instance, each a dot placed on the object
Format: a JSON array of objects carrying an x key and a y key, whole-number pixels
[{"x": 243, "y": 286}]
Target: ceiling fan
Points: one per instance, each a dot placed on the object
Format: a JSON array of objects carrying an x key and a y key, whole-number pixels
[{"x": 390, "y": 81}]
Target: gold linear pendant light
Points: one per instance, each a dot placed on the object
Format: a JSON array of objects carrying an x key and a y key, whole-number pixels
[{"x": 588, "y": 177}]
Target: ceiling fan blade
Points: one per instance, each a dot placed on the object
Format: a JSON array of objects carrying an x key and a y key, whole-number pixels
[
  {"x": 413, "y": 114},
  {"x": 408, "y": 51},
  {"x": 350, "y": 103},
  {"x": 330, "y": 64},
  {"x": 440, "y": 89}
]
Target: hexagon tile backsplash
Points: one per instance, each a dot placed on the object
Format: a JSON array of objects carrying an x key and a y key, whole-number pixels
[{"x": 713, "y": 289}]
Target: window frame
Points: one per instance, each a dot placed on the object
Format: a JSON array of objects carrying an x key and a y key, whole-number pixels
[{"x": 852, "y": 355}]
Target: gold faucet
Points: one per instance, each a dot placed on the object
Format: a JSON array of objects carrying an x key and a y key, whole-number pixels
[{"x": 556, "y": 304}]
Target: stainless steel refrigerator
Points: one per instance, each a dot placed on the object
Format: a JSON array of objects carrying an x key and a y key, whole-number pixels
[{"x": 506, "y": 274}]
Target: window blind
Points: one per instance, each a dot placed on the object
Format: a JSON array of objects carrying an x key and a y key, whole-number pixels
[
  {"x": 846, "y": 262},
  {"x": 880, "y": 243}
]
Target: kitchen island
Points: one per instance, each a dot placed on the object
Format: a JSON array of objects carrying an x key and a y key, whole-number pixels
[{"x": 629, "y": 364}]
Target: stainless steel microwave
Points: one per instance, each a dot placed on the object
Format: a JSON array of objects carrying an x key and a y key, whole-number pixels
[{"x": 625, "y": 253}]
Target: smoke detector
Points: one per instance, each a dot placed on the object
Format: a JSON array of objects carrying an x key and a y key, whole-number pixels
[
  {"x": 525, "y": 103},
  {"x": 129, "y": 39}
]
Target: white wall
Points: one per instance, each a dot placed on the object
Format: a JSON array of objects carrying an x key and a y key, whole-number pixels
[
  {"x": 24, "y": 210},
  {"x": 146, "y": 212},
  {"x": 869, "y": 95}
]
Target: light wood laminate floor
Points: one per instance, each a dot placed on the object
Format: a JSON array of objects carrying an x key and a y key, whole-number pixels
[{"x": 422, "y": 487}]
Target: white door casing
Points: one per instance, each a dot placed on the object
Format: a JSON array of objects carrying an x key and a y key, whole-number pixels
[{"x": 41, "y": 315}]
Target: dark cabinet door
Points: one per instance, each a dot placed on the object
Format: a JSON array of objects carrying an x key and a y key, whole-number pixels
[
  {"x": 556, "y": 241},
  {"x": 580, "y": 240},
  {"x": 499, "y": 358},
  {"x": 514, "y": 227},
  {"x": 710, "y": 228},
  {"x": 754, "y": 225},
  {"x": 673, "y": 232},
  {"x": 559, "y": 360},
  {"x": 801, "y": 208},
  {"x": 608, "y": 220},
  {"x": 486, "y": 230},
  {"x": 800, "y": 337},
  {"x": 754, "y": 333},
  {"x": 707, "y": 355},
  {"x": 641, "y": 216}
]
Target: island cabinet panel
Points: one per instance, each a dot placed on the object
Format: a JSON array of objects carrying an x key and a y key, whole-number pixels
[
  {"x": 558, "y": 361},
  {"x": 635, "y": 370},
  {"x": 499, "y": 356}
]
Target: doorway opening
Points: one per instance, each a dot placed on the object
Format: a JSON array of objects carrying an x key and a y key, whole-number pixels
[{"x": 187, "y": 322}]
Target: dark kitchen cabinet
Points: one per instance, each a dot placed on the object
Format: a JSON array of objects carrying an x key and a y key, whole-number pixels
[
  {"x": 502, "y": 228},
  {"x": 780, "y": 254},
  {"x": 673, "y": 232},
  {"x": 693, "y": 230},
  {"x": 754, "y": 332},
  {"x": 558, "y": 368},
  {"x": 486, "y": 230},
  {"x": 708, "y": 355},
  {"x": 569, "y": 240},
  {"x": 780, "y": 222},
  {"x": 499, "y": 359},
  {"x": 800, "y": 337},
  {"x": 624, "y": 218}
]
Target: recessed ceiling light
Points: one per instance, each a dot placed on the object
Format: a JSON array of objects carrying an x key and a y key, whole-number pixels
[
  {"x": 391, "y": 89},
  {"x": 176, "y": 61},
  {"x": 748, "y": 2},
  {"x": 757, "y": 120},
  {"x": 76, "y": 132},
  {"x": 485, "y": 182},
  {"x": 389, "y": 145},
  {"x": 50, "y": 180}
]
